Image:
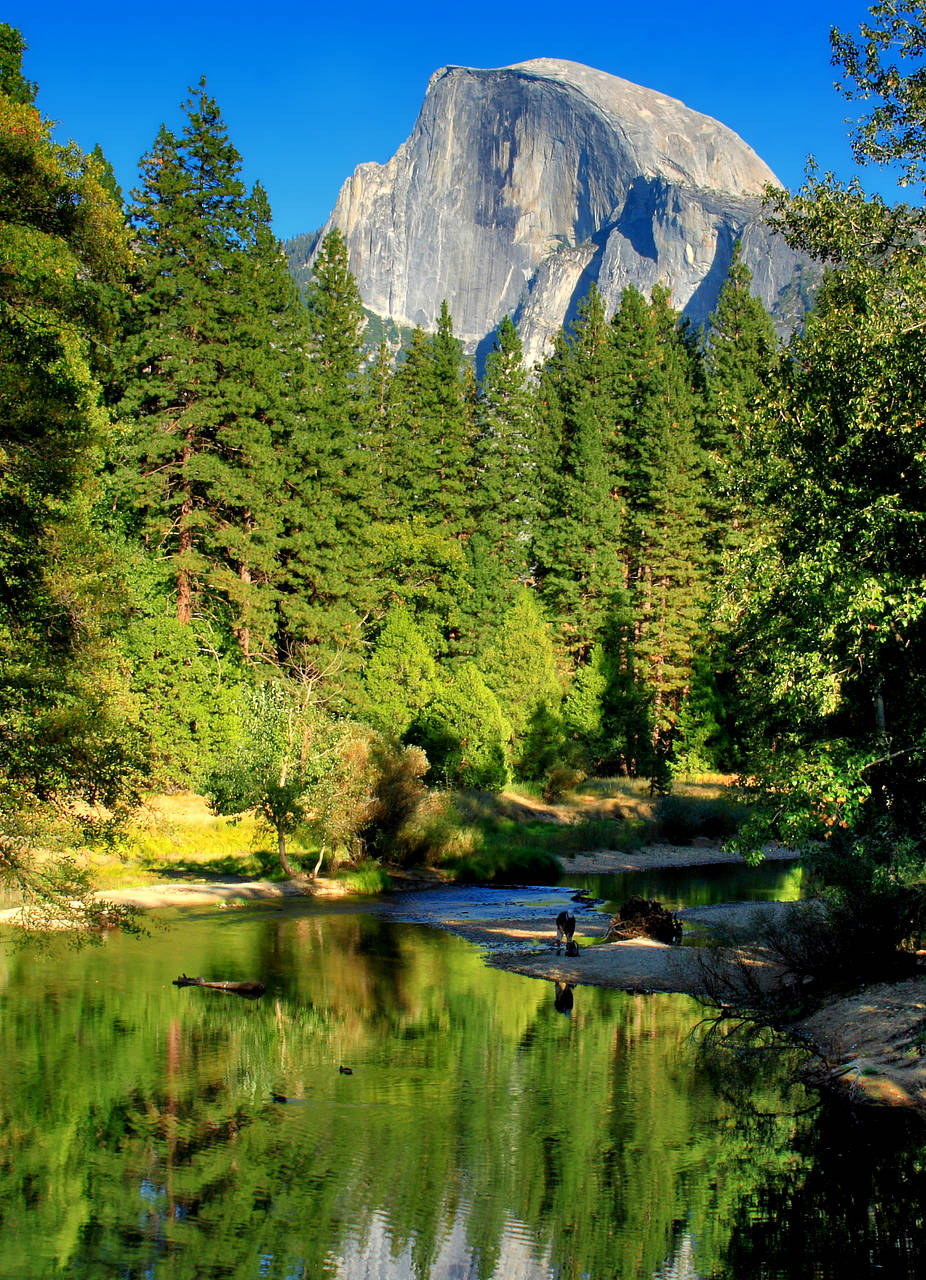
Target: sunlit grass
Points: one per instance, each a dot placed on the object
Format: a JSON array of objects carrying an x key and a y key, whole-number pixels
[
  {"x": 472, "y": 836},
  {"x": 177, "y": 836},
  {"x": 368, "y": 878}
]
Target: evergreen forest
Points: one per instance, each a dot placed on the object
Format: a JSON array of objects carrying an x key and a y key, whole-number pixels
[{"x": 244, "y": 552}]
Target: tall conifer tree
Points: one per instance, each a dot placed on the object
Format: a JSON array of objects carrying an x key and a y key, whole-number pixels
[
  {"x": 202, "y": 389},
  {"x": 578, "y": 542},
  {"x": 665, "y": 502},
  {"x": 741, "y": 366},
  {"x": 505, "y": 499},
  {"x": 428, "y": 456},
  {"x": 328, "y": 578}
]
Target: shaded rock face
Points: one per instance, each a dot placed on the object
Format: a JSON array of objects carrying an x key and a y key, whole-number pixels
[{"x": 520, "y": 186}]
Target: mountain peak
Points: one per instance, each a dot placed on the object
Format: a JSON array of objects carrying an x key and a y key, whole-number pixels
[{"x": 520, "y": 185}]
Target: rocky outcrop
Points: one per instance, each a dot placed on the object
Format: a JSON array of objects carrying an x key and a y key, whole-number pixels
[{"x": 520, "y": 186}]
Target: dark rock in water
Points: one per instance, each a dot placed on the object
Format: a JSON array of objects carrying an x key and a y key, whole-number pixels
[
  {"x": 520, "y": 186},
  {"x": 644, "y": 918}
]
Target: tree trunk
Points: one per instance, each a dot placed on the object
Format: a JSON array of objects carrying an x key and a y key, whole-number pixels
[
  {"x": 244, "y": 631},
  {"x": 281, "y": 848},
  {"x": 184, "y": 547},
  {"x": 318, "y": 865}
]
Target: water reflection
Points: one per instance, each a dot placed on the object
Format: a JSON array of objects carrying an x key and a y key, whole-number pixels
[
  {"x": 142, "y": 1131},
  {"x": 704, "y": 886},
  {"x": 563, "y": 999}
]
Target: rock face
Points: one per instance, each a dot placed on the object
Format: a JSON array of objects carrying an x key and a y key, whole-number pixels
[{"x": 520, "y": 186}]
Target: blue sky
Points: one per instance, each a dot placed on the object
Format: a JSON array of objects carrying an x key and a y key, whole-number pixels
[{"x": 309, "y": 93}]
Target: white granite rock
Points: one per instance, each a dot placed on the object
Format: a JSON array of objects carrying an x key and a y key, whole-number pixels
[{"x": 519, "y": 186}]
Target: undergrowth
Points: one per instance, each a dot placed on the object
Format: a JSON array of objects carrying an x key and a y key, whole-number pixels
[{"x": 469, "y": 836}]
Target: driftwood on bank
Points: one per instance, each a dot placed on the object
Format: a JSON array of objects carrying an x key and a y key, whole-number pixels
[
  {"x": 644, "y": 918},
  {"x": 251, "y": 989}
]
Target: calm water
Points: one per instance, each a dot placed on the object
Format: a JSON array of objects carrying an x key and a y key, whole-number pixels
[
  {"x": 482, "y": 1132},
  {"x": 705, "y": 886}
]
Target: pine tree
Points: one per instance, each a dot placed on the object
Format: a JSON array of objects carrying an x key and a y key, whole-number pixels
[
  {"x": 464, "y": 733},
  {"x": 400, "y": 676},
  {"x": 453, "y": 429},
  {"x": 741, "y": 367},
  {"x": 506, "y": 484},
  {"x": 520, "y": 668},
  {"x": 507, "y": 461},
  {"x": 203, "y": 378},
  {"x": 578, "y": 543},
  {"x": 328, "y": 587},
  {"x": 428, "y": 456},
  {"x": 407, "y": 464},
  {"x": 665, "y": 503}
]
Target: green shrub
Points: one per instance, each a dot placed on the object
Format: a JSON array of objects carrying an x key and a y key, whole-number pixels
[
  {"x": 562, "y": 778},
  {"x": 367, "y": 877},
  {"x": 465, "y": 734},
  {"x": 398, "y": 791}
]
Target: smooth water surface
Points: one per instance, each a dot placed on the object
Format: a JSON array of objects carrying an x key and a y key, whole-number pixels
[
  {"x": 480, "y": 1132},
  {"x": 698, "y": 886}
]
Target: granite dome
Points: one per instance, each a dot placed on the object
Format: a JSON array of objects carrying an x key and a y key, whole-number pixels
[{"x": 520, "y": 185}]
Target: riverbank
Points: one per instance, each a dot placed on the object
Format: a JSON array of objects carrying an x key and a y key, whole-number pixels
[{"x": 870, "y": 1043}]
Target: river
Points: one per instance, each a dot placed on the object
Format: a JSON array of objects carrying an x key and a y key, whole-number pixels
[{"x": 393, "y": 1107}]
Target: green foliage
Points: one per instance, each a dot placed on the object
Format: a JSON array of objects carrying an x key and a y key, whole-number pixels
[
  {"x": 583, "y": 707},
  {"x": 741, "y": 366},
  {"x": 520, "y": 669},
  {"x": 828, "y": 609},
  {"x": 562, "y": 780},
  {"x": 426, "y": 447},
  {"x": 297, "y": 766},
  {"x": 299, "y": 251},
  {"x": 368, "y": 879},
  {"x": 464, "y": 733},
  {"x": 578, "y": 543},
  {"x": 62, "y": 736},
  {"x": 874, "y": 68},
  {"x": 681, "y": 819},
  {"x": 702, "y": 742},
  {"x": 326, "y": 580},
  {"x": 400, "y": 677},
  {"x": 423, "y": 570},
  {"x": 508, "y": 461},
  {"x": 208, "y": 377},
  {"x": 399, "y": 802},
  {"x": 13, "y": 85},
  {"x": 183, "y": 694}
]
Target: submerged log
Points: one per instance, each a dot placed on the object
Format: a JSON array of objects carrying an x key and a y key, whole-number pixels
[
  {"x": 251, "y": 989},
  {"x": 644, "y": 918}
]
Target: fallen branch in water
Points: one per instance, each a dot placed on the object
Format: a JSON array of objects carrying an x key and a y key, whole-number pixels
[{"x": 252, "y": 989}]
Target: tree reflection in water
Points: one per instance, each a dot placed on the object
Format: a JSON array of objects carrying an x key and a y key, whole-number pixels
[{"x": 478, "y": 1129}]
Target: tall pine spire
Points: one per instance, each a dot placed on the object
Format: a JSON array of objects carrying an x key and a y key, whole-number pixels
[
  {"x": 327, "y": 580},
  {"x": 203, "y": 393}
]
